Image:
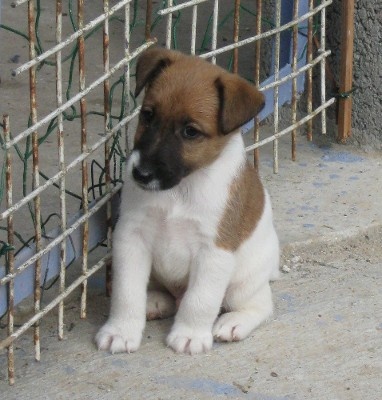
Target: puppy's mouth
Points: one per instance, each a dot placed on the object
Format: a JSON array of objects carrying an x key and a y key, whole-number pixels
[{"x": 153, "y": 186}]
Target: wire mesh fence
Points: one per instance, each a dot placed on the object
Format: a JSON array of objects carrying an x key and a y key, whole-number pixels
[{"x": 69, "y": 116}]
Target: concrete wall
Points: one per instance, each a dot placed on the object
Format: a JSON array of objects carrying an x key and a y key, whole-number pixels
[{"x": 367, "y": 99}]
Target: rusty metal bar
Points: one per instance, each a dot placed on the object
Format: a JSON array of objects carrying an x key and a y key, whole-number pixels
[
  {"x": 294, "y": 80},
  {"x": 84, "y": 166},
  {"x": 106, "y": 92},
  {"x": 35, "y": 175},
  {"x": 126, "y": 102},
  {"x": 106, "y": 95},
  {"x": 309, "y": 83},
  {"x": 323, "y": 71},
  {"x": 126, "y": 95},
  {"x": 259, "y": 12},
  {"x": 148, "y": 23},
  {"x": 10, "y": 253},
  {"x": 236, "y": 28},
  {"x": 214, "y": 40},
  {"x": 346, "y": 71},
  {"x": 193, "y": 29},
  {"x": 126, "y": 99},
  {"x": 61, "y": 165},
  {"x": 276, "y": 71}
]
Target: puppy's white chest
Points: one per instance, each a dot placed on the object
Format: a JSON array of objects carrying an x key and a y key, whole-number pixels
[{"x": 176, "y": 242}]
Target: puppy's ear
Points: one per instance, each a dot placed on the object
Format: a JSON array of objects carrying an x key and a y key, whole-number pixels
[
  {"x": 150, "y": 64},
  {"x": 239, "y": 102}
]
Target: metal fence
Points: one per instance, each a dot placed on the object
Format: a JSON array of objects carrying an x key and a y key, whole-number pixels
[{"x": 66, "y": 136}]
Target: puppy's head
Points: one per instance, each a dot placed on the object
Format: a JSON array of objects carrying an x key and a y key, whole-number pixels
[{"x": 189, "y": 109}]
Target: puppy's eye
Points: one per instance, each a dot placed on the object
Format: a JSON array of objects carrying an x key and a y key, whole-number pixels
[
  {"x": 147, "y": 115},
  {"x": 190, "y": 132}
]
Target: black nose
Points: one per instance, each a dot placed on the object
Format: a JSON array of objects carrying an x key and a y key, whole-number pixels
[{"x": 143, "y": 176}]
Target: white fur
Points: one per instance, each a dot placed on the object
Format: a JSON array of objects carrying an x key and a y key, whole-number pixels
[{"x": 172, "y": 234}]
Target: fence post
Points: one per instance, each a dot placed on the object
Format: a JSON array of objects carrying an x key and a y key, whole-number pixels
[{"x": 346, "y": 71}]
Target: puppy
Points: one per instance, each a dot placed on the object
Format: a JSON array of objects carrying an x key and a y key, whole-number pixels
[{"x": 194, "y": 215}]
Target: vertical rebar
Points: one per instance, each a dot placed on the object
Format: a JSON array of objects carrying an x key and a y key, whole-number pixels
[
  {"x": 294, "y": 80},
  {"x": 214, "y": 39},
  {"x": 107, "y": 127},
  {"x": 126, "y": 88},
  {"x": 259, "y": 12},
  {"x": 84, "y": 166},
  {"x": 276, "y": 89},
  {"x": 148, "y": 23},
  {"x": 61, "y": 166},
  {"x": 236, "y": 28},
  {"x": 323, "y": 65},
  {"x": 35, "y": 174},
  {"x": 193, "y": 28},
  {"x": 10, "y": 254},
  {"x": 309, "y": 82},
  {"x": 169, "y": 26},
  {"x": 126, "y": 100}
]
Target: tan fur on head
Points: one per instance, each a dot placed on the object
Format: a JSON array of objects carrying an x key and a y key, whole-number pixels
[
  {"x": 150, "y": 63},
  {"x": 239, "y": 101}
]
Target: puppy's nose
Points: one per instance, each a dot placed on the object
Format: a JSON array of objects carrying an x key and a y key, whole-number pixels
[{"x": 143, "y": 176}]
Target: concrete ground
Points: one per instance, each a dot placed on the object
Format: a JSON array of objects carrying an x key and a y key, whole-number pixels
[{"x": 323, "y": 342}]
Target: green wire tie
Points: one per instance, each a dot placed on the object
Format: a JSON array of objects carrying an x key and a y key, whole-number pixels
[{"x": 345, "y": 95}]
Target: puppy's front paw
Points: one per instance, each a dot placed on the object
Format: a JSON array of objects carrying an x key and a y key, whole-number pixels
[
  {"x": 119, "y": 338},
  {"x": 183, "y": 339},
  {"x": 233, "y": 326}
]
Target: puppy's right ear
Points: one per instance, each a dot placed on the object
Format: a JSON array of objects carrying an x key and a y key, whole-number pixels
[{"x": 150, "y": 64}]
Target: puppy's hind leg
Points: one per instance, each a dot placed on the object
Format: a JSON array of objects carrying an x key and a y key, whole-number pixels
[
  {"x": 160, "y": 305},
  {"x": 243, "y": 317}
]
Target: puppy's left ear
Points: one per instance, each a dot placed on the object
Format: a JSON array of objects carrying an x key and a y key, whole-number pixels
[
  {"x": 239, "y": 102},
  {"x": 150, "y": 64}
]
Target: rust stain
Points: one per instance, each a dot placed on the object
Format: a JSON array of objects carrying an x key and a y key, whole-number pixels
[
  {"x": 294, "y": 80},
  {"x": 259, "y": 12},
  {"x": 148, "y": 23},
  {"x": 10, "y": 254},
  {"x": 236, "y": 27},
  {"x": 310, "y": 74}
]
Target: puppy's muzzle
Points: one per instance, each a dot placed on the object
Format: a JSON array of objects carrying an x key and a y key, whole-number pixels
[
  {"x": 142, "y": 176},
  {"x": 155, "y": 172},
  {"x": 142, "y": 173}
]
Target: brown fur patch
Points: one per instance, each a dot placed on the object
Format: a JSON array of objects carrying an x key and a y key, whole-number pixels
[{"x": 243, "y": 211}]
